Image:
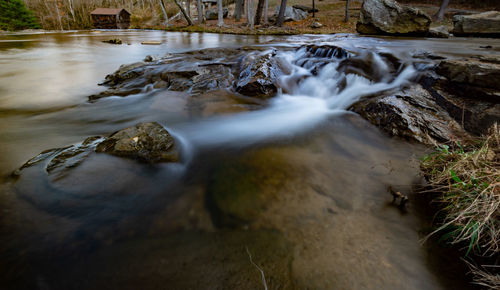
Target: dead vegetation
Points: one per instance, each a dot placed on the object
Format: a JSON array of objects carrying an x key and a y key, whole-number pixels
[{"x": 467, "y": 180}]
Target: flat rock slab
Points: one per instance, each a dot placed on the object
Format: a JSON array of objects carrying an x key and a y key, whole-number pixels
[
  {"x": 481, "y": 72},
  {"x": 481, "y": 24}
]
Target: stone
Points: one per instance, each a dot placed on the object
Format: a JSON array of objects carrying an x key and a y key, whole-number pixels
[
  {"x": 292, "y": 14},
  {"x": 259, "y": 76},
  {"x": 410, "y": 114},
  {"x": 147, "y": 142},
  {"x": 439, "y": 32},
  {"x": 316, "y": 25},
  {"x": 212, "y": 14},
  {"x": 481, "y": 72},
  {"x": 305, "y": 8},
  {"x": 389, "y": 17},
  {"x": 113, "y": 41},
  {"x": 481, "y": 24}
]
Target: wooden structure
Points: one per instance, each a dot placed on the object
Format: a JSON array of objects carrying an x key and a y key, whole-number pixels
[{"x": 108, "y": 18}]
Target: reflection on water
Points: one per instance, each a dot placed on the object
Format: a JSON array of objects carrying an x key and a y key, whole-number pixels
[{"x": 311, "y": 206}]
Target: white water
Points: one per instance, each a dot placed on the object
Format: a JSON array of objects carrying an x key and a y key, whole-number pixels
[{"x": 310, "y": 99}]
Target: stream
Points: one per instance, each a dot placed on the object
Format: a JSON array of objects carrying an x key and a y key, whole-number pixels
[{"x": 295, "y": 185}]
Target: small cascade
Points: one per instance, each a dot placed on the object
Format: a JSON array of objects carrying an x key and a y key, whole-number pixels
[{"x": 319, "y": 85}]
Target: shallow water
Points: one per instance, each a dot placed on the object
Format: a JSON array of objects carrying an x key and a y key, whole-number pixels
[{"x": 306, "y": 193}]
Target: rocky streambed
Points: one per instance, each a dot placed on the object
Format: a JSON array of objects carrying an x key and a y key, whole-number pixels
[{"x": 272, "y": 166}]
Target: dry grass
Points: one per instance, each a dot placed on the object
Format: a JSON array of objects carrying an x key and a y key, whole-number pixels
[{"x": 468, "y": 180}]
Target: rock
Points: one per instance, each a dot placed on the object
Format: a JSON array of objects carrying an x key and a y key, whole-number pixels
[
  {"x": 212, "y": 14},
  {"x": 148, "y": 58},
  {"x": 329, "y": 51},
  {"x": 60, "y": 160},
  {"x": 113, "y": 41},
  {"x": 259, "y": 75},
  {"x": 305, "y": 8},
  {"x": 477, "y": 108},
  {"x": 316, "y": 24},
  {"x": 481, "y": 24},
  {"x": 389, "y": 17},
  {"x": 292, "y": 14},
  {"x": 439, "y": 32},
  {"x": 410, "y": 114},
  {"x": 148, "y": 142},
  {"x": 481, "y": 72}
]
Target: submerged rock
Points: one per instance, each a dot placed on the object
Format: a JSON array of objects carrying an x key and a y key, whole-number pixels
[
  {"x": 148, "y": 142},
  {"x": 410, "y": 114},
  {"x": 259, "y": 75},
  {"x": 389, "y": 17},
  {"x": 481, "y": 24}
]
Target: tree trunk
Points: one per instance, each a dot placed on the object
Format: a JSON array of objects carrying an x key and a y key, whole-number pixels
[
  {"x": 200, "y": 12},
  {"x": 440, "y": 14},
  {"x": 220, "y": 13},
  {"x": 164, "y": 11},
  {"x": 188, "y": 7},
  {"x": 258, "y": 14},
  {"x": 251, "y": 13},
  {"x": 346, "y": 19},
  {"x": 281, "y": 14},
  {"x": 183, "y": 11},
  {"x": 266, "y": 11},
  {"x": 238, "y": 10},
  {"x": 314, "y": 9},
  {"x": 58, "y": 15}
]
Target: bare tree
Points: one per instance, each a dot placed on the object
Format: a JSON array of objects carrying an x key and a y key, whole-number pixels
[
  {"x": 220, "y": 13},
  {"x": 440, "y": 14},
  {"x": 200, "y": 12},
  {"x": 281, "y": 14},
  {"x": 183, "y": 11},
  {"x": 346, "y": 19},
  {"x": 164, "y": 11},
  {"x": 258, "y": 14},
  {"x": 188, "y": 7}
]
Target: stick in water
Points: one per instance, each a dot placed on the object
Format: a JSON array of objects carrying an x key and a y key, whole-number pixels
[{"x": 261, "y": 271}]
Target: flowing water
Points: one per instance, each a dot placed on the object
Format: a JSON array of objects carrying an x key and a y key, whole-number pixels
[{"x": 298, "y": 183}]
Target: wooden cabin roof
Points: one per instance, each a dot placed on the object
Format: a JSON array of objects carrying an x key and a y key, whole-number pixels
[{"x": 108, "y": 11}]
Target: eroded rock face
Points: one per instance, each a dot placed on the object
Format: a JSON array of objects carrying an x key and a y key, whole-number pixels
[
  {"x": 388, "y": 17},
  {"x": 410, "y": 114},
  {"x": 148, "y": 142},
  {"x": 259, "y": 75},
  {"x": 481, "y": 24}
]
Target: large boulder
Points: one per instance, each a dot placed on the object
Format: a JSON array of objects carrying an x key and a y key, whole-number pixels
[
  {"x": 292, "y": 14},
  {"x": 388, "y": 17},
  {"x": 259, "y": 75},
  {"x": 212, "y": 14},
  {"x": 148, "y": 142},
  {"x": 481, "y": 24}
]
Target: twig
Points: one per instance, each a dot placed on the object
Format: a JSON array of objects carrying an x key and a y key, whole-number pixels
[{"x": 261, "y": 271}]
